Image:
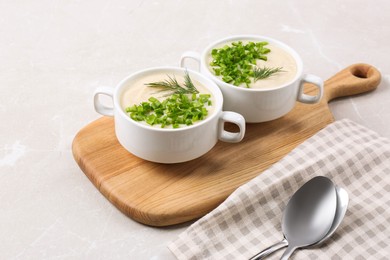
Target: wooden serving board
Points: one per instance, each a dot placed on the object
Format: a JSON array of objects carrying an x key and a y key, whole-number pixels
[{"x": 166, "y": 194}]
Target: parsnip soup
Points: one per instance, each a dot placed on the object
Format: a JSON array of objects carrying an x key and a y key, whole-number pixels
[
  {"x": 251, "y": 64},
  {"x": 167, "y": 100}
]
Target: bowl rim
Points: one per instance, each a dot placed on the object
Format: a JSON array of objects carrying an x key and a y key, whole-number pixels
[
  {"x": 243, "y": 37},
  {"x": 202, "y": 79}
]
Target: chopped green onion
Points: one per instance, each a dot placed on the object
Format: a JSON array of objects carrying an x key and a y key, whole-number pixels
[
  {"x": 176, "y": 110},
  {"x": 235, "y": 63}
]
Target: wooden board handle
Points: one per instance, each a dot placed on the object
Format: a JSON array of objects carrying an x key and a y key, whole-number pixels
[{"x": 355, "y": 79}]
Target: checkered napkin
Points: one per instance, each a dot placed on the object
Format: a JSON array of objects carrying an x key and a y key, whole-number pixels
[{"x": 352, "y": 156}]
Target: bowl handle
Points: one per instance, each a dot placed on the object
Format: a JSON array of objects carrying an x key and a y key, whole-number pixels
[
  {"x": 190, "y": 55},
  {"x": 317, "y": 82},
  {"x": 99, "y": 107},
  {"x": 235, "y": 118}
]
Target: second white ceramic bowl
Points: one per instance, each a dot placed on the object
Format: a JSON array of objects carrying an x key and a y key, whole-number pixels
[{"x": 260, "y": 105}]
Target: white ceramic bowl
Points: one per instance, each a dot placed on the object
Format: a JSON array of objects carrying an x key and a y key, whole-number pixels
[
  {"x": 260, "y": 105},
  {"x": 169, "y": 145}
]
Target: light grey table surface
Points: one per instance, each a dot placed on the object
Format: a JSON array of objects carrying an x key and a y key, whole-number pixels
[{"x": 53, "y": 54}]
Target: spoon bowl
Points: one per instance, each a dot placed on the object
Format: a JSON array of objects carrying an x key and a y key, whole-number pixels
[
  {"x": 308, "y": 216},
  {"x": 342, "y": 205}
]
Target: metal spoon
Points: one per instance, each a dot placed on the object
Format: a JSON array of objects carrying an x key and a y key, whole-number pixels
[
  {"x": 308, "y": 216},
  {"x": 342, "y": 205}
]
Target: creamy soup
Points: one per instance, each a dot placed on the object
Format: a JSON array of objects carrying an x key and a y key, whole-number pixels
[
  {"x": 276, "y": 58},
  {"x": 137, "y": 92}
]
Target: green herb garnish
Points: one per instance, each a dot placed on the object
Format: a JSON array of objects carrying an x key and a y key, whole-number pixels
[
  {"x": 178, "y": 109},
  {"x": 235, "y": 63},
  {"x": 174, "y": 87},
  {"x": 264, "y": 72}
]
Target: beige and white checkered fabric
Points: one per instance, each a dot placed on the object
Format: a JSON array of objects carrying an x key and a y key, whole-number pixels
[{"x": 351, "y": 155}]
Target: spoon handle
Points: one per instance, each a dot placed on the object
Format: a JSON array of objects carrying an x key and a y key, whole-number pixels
[
  {"x": 270, "y": 250},
  {"x": 290, "y": 249}
]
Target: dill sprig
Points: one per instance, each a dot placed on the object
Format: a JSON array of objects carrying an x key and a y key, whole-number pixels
[
  {"x": 265, "y": 72},
  {"x": 174, "y": 87},
  {"x": 188, "y": 83}
]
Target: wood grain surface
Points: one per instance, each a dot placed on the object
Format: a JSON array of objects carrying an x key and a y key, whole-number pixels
[{"x": 166, "y": 194}]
